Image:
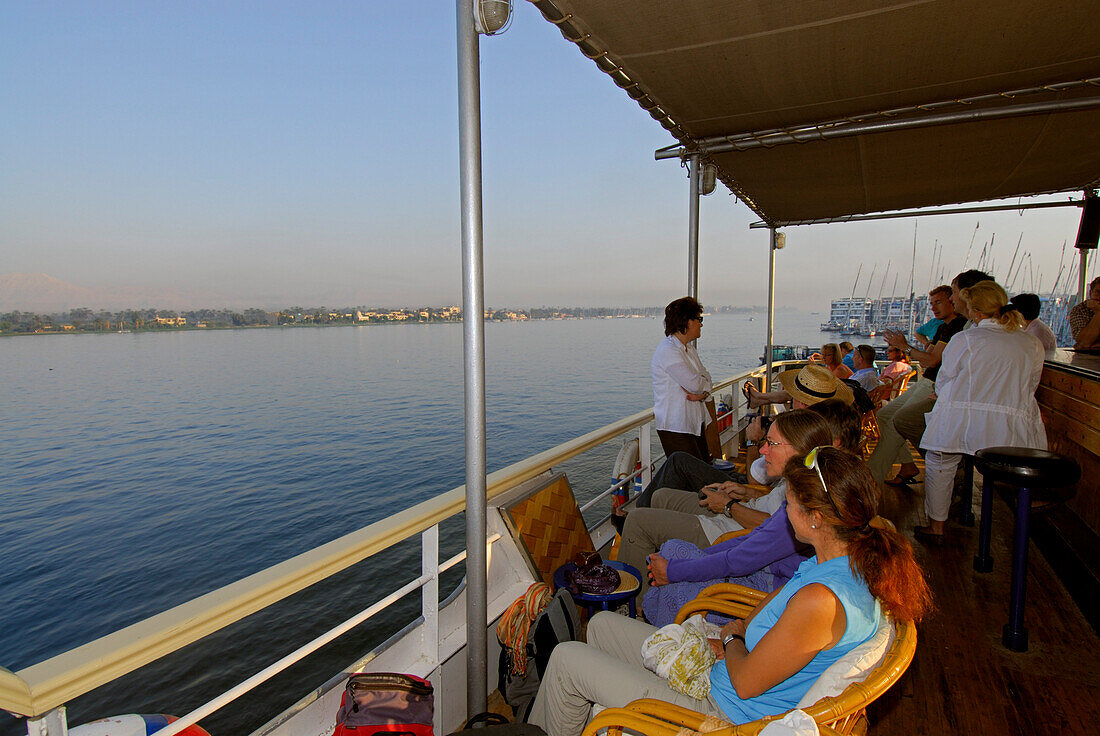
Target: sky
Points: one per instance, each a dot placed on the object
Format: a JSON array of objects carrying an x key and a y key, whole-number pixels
[{"x": 289, "y": 153}]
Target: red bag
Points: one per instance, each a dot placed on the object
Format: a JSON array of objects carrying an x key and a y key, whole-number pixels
[{"x": 385, "y": 703}]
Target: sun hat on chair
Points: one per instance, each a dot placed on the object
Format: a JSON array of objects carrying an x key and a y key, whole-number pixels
[{"x": 814, "y": 383}]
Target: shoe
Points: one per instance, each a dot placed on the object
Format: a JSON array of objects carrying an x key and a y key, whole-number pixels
[
  {"x": 618, "y": 521},
  {"x": 752, "y": 396},
  {"x": 923, "y": 535},
  {"x": 902, "y": 480}
]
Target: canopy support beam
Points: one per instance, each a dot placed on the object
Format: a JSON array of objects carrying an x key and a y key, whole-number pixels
[
  {"x": 747, "y": 141},
  {"x": 922, "y": 213},
  {"x": 694, "y": 169},
  {"x": 473, "y": 334},
  {"x": 771, "y": 309}
]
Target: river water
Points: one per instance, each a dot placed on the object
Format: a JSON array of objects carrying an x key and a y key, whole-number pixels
[{"x": 142, "y": 470}]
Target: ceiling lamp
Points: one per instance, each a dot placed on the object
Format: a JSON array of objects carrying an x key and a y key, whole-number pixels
[
  {"x": 492, "y": 16},
  {"x": 709, "y": 179}
]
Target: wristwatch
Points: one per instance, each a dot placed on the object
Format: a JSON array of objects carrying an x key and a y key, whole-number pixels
[
  {"x": 730, "y": 637},
  {"x": 729, "y": 505}
]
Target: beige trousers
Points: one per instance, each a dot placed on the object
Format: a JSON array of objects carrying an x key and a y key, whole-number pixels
[{"x": 607, "y": 670}]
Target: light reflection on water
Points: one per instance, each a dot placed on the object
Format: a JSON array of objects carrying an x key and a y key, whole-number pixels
[{"x": 142, "y": 470}]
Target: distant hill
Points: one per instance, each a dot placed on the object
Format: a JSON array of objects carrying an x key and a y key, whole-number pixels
[{"x": 40, "y": 292}]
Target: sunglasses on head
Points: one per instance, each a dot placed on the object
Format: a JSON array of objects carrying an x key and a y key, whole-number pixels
[{"x": 811, "y": 463}]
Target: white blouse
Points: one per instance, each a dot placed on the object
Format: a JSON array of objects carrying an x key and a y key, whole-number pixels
[
  {"x": 677, "y": 370},
  {"x": 986, "y": 392}
]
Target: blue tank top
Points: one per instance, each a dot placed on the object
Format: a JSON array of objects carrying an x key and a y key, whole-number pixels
[{"x": 861, "y": 610}]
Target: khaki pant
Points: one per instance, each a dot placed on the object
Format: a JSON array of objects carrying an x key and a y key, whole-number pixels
[
  {"x": 900, "y": 420},
  {"x": 607, "y": 670}
]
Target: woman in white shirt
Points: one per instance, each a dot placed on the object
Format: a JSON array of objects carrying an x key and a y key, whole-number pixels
[
  {"x": 985, "y": 397},
  {"x": 680, "y": 382}
]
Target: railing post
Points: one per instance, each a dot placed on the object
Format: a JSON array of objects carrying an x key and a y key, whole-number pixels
[
  {"x": 429, "y": 593},
  {"x": 645, "y": 453},
  {"x": 54, "y": 723}
]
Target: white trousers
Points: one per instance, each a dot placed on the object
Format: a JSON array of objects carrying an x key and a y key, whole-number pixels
[
  {"x": 939, "y": 481},
  {"x": 607, "y": 670}
]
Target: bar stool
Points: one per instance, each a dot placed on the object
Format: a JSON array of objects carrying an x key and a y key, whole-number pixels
[{"x": 1032, "y": 473}]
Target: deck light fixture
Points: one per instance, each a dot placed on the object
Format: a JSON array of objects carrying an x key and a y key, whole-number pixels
[
  {"x": 710, "y": 179},
  {"x": 492, "y": 16}
]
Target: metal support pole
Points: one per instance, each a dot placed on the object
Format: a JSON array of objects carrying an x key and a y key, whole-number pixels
[
  {"x": 645, "y": 453},
  {"x": 1083, "y": 277},
  {"x": 473, "y": 333},
  {"x": 694, "y": 173},
  {"x": 429, "y": 594},
  {"x": 771, "y": 309}
]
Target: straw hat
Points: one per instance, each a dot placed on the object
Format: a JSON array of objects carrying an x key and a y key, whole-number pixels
[{"x": 815, "y": 383}]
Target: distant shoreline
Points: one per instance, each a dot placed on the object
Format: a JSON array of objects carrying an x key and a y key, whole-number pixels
[{"x": 84, "y": 321}]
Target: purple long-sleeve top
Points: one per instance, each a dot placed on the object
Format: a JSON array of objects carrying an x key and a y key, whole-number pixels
[{"x": 772, "y": 545}]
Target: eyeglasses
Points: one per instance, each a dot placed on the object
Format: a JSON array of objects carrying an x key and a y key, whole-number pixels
[
  {"x": 699, "y": 320},
  {"x": 773, "y": 443},
  {"x": 811, "y": 463}
]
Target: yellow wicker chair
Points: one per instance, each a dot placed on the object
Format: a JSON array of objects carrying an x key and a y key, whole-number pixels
[
  {"x": 687, "y": 723},
  {"x": 845, "y": 713}
]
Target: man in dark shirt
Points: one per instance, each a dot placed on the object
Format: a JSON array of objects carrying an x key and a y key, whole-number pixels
[{"x": 903, "y": 418}]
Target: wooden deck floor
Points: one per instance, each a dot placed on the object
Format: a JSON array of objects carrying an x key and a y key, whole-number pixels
[{"x": 963, "y": 681}]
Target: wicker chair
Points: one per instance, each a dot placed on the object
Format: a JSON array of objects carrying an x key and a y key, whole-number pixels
[
  {"x": 845, "y": 714},
  {"x": 869, "y": 434},
  {"x": 615, "y": 720}
]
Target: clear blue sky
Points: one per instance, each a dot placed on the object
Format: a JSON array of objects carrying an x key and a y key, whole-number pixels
[{"x": 275, "y": 153}]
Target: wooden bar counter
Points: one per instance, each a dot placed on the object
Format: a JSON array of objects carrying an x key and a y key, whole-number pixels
[{"x": 1069, "y": 535}]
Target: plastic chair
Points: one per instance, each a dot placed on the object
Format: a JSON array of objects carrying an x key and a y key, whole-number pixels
[{"x": 845, "y": 713}]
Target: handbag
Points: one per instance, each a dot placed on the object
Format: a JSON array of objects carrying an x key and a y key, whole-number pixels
[{"x": 386, "y": 703}]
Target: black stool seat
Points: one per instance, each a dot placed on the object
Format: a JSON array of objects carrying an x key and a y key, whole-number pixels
[
  {"x": 1024, "y": 466},
  {"x": 1032, "y": 474}
]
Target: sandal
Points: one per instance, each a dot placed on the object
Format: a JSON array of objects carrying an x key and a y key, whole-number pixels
[
  {"x": 751, "y": 394},
  {"x": 923, "y": 534},
  {"x": 902, "y": 480}
]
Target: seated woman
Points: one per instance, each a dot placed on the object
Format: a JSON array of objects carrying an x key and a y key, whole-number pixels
[
  {"x": 675, "y": 514},
  {"x": 768, "y": 661},
  {"x": 763, "y": 559},
  {"x": 899, "y": 366}
]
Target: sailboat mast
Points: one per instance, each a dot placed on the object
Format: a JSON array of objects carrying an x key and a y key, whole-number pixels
[
  {"x": 912, "y": 285},
  {"x": 863, "y": 304},
  {"x": 852, "y": 298},
  {"x": 1013, "y": 262}
]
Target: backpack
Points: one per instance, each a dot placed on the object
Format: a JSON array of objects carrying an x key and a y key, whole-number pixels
[
  {"x": 385, "y": 703},
  {"x": 519, "y": 671},
  {"x": 497, "y": 725}
]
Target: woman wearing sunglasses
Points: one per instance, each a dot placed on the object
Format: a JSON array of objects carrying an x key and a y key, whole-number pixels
[
  {"x": 768, "y": 661},
  {"x": 700, "y": 521}
]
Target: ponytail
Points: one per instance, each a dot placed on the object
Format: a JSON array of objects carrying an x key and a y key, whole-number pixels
[
  {"x": 876, "y": 551},
  {"x": 884, "y": 559},
  {"x": 991, "y": 300}
]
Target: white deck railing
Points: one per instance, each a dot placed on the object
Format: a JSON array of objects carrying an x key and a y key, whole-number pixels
[{"x": 39, "y": 692}]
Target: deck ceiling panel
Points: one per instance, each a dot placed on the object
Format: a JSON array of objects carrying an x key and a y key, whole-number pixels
[{"x": 723, "y": 67}]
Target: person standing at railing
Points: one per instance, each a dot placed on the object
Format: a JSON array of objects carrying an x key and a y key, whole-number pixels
[{"x": 680, "y": 382}]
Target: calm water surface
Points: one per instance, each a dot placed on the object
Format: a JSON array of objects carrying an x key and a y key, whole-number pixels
[{"x": 142, "y": 470}]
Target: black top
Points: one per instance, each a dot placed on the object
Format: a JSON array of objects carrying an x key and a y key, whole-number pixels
[{"x": 944, "y": 334}]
